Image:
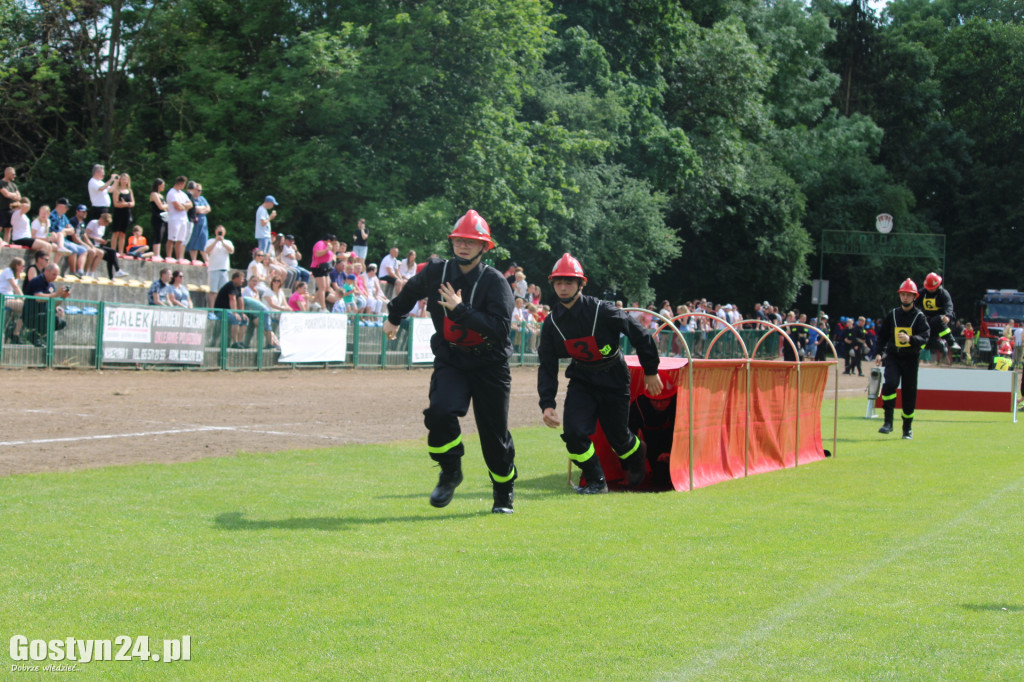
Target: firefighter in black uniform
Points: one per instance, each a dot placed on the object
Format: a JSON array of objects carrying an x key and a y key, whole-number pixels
[
  {"x": 470, "y": 305},
  {"x": 938, "y": 308},
  {"x": 901, "y": 336},
  {"x": 655, "y": 421},
  {"x": 587, "y": 330}
]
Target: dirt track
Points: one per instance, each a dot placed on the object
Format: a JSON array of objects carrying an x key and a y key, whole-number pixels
[{"x": 62, "y": 420}]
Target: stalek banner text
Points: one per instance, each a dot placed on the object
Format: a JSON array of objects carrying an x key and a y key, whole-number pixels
[
  {"x": 313, "y": 337},
  {"x": 153, "y": 335}
]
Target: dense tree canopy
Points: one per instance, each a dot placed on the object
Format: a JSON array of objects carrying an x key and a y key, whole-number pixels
[{"x": 679, "y": 149}]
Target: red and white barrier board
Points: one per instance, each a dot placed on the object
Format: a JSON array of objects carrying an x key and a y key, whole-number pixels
[{"x": 966, "y": 390}]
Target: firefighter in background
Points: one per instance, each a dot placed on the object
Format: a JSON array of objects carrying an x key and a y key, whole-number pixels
[
  {"x": 470, "y": 305},
  {"x": 1003, "y": 359},
  {"x": 587, "y": 330},
  {"x": 901, "y": 336},
  {"x": 938, "y": 308}
]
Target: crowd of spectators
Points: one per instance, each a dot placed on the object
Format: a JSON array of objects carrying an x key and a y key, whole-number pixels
[{"x": 337, "y": 279}]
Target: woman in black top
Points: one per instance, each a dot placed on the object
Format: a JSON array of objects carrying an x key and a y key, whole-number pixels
[
  {"x": 124, "y": 201},
  {"x": 157, "y": 205}
]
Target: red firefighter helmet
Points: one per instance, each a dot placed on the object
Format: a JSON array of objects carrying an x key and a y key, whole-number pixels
[
  {"x": 932, "y": 281},
  {"x": 473, "y": 226},
  {"x": 908, "y": 287},
  {"x": 567, "y": 266}
]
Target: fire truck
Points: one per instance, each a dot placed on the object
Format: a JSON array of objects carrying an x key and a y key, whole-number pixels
[{"x": 997, "y": 308}]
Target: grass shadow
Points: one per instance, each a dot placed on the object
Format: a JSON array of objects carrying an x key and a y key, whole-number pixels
[
  {"x": 547, "y": 486},
  {"x": 1011, "y": 608},
  {"x": 237, "y": 521}
]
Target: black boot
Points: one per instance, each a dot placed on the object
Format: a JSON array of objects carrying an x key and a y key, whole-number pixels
[
  {"x": 908, "y": 433},
  {"x": 636, "y": 465},
  {"x": 594, "y": 474},
  {"x": 888, "y": 410},
  {"x": 447, "y": 482},
  {"x": 502, "y": 498}
]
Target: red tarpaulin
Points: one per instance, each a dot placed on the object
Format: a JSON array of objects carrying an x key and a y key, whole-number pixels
[{"x": 784, "y": 411}]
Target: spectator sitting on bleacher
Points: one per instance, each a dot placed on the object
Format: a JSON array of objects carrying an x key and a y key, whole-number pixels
[
  {"x": 274, "y": 296},
  {"x": 40, "y": 259},
  {"x": 388, "y": 274},
  {"x": 299, "y": 300},
  {"x": 272, "y": 264},
  {"x": 93, "y": 254},
  {"x": 346, "y": 295},
  {"x": 252, "y": 299},
  {"x": 9, "y": 287},
  {"x": 407, "y": 268},
  {"x": 291, "y": 256},
  {"x": 60, "y": 224},
  {"x": 181, "y": 296},
  {"x": 93, "y": 236},
  {"x": 161, "y": 291},
  {"x": 229, "y": 299},
  {"x": 338, "y": 280},
  {"x": 21, "y": 228},
  {"x": 257, "y": 267},
  {"x": 362, "y": 298},
  {"x": 375, "y": 298},
  {"x": 137, "y": 244},
  {"x": 34, "y": 312}
]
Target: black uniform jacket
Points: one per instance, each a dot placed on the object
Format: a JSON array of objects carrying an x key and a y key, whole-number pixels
[
  {"x": 913, "y": 322},
  {"x": 486, "y": 309},
  {"x": 576, "y": 323},
  {"x": 937, "y": 302}
]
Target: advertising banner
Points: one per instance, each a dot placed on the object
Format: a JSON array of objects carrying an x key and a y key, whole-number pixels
[
  {"x": 422, "y": 330},
  {"x": 153, "y": 335},
  {"x": 313, "y": 337}
]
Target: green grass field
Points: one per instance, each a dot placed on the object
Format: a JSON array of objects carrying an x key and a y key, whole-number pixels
[{"x": 894, "y": 560}]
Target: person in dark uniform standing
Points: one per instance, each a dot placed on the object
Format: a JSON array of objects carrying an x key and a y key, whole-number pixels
[
  {"x": 901, "y": 336},
  {"x": 471, "y": 306},
  {"x": 938, "y": 308},
  {"x": 587, "y": 330}
]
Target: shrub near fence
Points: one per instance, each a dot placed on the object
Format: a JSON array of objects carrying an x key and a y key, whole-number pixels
[{"x": 81, "y": 342}]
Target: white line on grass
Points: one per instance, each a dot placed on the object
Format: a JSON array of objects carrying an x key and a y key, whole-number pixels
[
  {"x": 746, "y": 640},
  {"x": 105, "y": 436},
  {"x": 170, "y": 432}
]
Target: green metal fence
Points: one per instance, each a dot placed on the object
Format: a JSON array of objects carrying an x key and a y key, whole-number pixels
[{"x": 42, "y": 332}]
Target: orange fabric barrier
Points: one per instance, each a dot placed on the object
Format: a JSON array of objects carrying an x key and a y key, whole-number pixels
[{"x": 783, "y": 421}]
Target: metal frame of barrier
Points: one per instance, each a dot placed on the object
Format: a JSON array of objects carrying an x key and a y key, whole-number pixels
[{"x": 747, "y": 356}]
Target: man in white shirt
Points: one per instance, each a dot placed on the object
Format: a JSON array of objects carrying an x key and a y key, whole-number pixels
[
  {"x": 388, "y": 274},
  {"x": 218, "y": 258},
  {"x": 290, "y": 256},
  {"x": 178, "y": 204},
  {"x": 94, "y": 237},
  {"x": 264, "y": 215},
  {"x": 99, "y": 191}
]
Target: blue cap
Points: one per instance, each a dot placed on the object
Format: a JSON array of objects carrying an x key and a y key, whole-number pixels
[
  {"x": 350, "y": 276},
  {"x": 271, "y": 199},
  {"x": 81, "y": 207}
]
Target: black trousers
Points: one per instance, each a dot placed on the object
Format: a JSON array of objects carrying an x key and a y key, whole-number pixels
[
  {"x": 451, "y": 391},
  {"x": 940, "y": 333},
  {"x": 585, "y": 405},
  {"x": 113, "y": 264},
  {"x": 900, "y": 369}
]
